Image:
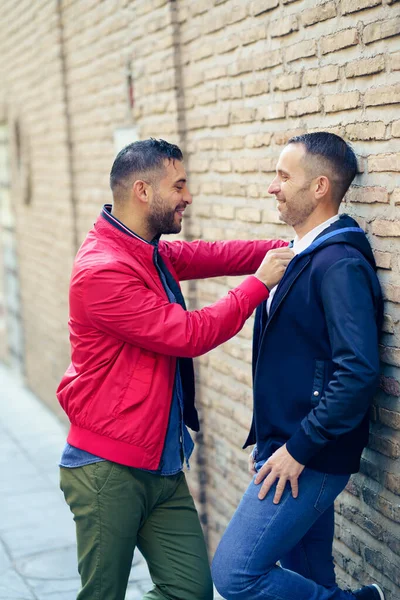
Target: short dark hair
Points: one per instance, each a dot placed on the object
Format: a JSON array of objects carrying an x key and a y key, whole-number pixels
[
  {"x": 337, "y": 155},
  {"x": 140, "y": 157}
]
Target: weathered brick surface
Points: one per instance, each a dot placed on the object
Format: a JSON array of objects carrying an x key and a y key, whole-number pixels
[
  {"x": 322, "y": 12},
  {"x": 381, "y": 29},
  {"x": 383, "y": 95},
  {"x": 339, "y": 40},
  {"x": 366, "y": 66},
  {"x": 339, "y": 102},
  {"x": 350, "y": 6},
  {"x": 231, "y": 82}
]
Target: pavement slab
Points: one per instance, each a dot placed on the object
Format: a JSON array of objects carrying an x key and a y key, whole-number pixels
[{"x": 37, "y": 532}]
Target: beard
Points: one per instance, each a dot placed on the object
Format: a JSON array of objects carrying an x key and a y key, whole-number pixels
[
  {"x": 162, "y": 218},
  {"x": 298, "y": 209}
]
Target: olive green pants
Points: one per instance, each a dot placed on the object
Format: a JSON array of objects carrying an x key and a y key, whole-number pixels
[{"x": 116, "y": 508}]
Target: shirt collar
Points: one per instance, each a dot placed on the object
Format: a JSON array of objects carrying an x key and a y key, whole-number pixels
[{"x": 307, "y": 240}]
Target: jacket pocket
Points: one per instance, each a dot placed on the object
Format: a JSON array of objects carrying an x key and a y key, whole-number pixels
[
  {"x": 138, "y": 384},
  {"x": 318, "y": 383}
]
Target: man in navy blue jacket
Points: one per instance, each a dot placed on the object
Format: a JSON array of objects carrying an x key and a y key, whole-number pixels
[{"x": 315, "y": 370}]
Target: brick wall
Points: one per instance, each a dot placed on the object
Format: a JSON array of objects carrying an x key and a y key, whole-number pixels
[
  {"x": 230, "y": 82},
  {"x": 32, "y": 103}
]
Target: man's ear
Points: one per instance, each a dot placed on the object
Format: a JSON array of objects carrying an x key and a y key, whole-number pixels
[
  {"x": 322, "y": 186},
  {"x": 141, "y": 190}
]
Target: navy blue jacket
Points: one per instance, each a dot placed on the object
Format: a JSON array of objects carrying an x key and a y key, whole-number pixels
[{"x": 315, "y": 358}]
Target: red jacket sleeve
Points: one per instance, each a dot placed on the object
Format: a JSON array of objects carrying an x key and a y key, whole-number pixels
[
  {"x": 126, "y": 309},
  {"x": 199, "y": 259}
]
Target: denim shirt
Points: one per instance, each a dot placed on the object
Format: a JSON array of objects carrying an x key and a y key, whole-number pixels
[{"x": 178, "y": 445}]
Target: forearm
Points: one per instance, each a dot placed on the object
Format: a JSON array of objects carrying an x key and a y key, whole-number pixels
[{"x": 199, "y": 259}]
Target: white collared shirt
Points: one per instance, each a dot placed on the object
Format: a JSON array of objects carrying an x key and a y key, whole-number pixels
[{"x": 302, "y": 244}]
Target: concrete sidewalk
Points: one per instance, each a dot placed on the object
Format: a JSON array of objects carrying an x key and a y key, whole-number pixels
[{"x": 37, "y": 537}]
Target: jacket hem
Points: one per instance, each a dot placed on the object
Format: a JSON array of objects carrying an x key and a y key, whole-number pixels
[{"x": 113, "y": 450}]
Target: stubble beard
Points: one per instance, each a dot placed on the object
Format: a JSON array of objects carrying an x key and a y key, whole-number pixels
[
  {"x": 162, "y": 218},
  {"x": 301, "y": 207}
]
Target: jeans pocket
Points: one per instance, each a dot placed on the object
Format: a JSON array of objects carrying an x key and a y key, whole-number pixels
[
  {"x": 102, "y": 473},
  {"x": 331, "y": 487}
]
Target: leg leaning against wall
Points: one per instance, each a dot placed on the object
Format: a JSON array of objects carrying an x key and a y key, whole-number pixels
[{"x": 262, "y": 533}]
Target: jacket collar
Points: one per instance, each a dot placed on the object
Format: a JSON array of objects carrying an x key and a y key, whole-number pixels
[
  {"x": 109, "y": 226},
  {"x": 338, "y": 231}
]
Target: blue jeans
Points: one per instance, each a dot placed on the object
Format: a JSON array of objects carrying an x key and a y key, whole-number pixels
[{"x": 296, "y": 532}]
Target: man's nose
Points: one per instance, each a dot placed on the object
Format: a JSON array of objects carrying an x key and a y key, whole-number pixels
[
  {"x": 188, "y": 198},
  {"x": 274, "y": 187}
]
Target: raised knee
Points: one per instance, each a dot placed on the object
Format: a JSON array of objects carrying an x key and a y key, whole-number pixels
[{"x": 228, "y": 584}]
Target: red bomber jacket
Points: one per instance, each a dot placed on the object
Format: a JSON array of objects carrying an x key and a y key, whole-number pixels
[{"x": 126, "y": 336}]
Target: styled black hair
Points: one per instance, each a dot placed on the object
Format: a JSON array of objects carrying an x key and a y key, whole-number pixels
[
  {"x": 336, "y": 153},
  {"x": 142, "y": 156}
]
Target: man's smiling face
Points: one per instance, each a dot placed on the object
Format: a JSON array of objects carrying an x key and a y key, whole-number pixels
[
  {"x": 292, "y": 186},
  {"x": 170, "y": 199}
]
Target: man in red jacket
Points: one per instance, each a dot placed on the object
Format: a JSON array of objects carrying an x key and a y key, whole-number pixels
[{"x": 129, "y": 390}]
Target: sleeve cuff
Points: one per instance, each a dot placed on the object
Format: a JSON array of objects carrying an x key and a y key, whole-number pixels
[
  {"x": 301, "y": 447},
  {"x": 255, "y": 290}
]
